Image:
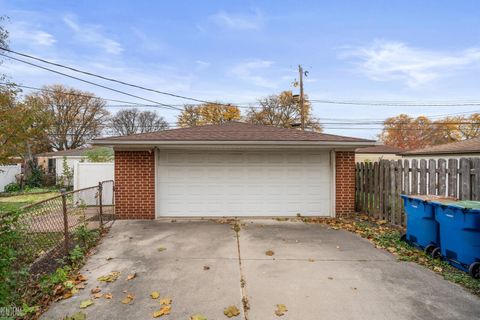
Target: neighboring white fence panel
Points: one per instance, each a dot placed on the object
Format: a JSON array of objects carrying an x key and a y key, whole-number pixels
[
  {"x": 90, "y": 174},
  {"x": 7, "y": 175}
]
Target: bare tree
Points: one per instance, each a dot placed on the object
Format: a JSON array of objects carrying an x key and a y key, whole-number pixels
[
  {"x": 76, "y": 116},
  {"x": 133, "y": 120},
  {"x": 282, "y": 110}
]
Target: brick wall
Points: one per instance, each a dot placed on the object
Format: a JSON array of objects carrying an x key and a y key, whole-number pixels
[
  {"x": 344, "y": 182},
  {"x": 135, "y": 184}
]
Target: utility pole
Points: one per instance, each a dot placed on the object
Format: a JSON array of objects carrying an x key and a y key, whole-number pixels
[{"x": 302, "y": 104}]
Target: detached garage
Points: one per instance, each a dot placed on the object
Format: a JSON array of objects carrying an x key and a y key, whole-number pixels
[{"x": 233, "y": 169}]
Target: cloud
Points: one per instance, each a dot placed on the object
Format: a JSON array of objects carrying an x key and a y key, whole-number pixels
[
  {"x": 390, "y": 60},
  {"x": 92, "y": 34},
  {"x": 250, "y": 71},
  {"x": 25, "y": 33},
  {"x": 252, "y": 21}
]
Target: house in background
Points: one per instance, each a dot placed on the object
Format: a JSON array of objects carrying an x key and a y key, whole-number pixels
[
  {"x": 377, "y": 153},
  {"x": 53, "y": 162},
  {"x": 455, "y": 150},
  {"x": 233, "y": 169}
]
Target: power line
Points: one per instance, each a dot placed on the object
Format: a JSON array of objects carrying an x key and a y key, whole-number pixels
[
  {"x": 90, "y": 82},
  {"x": 108, "y": 78},
  {"x": 69, "y": 93},
  {"x": 400, "y": 103}
]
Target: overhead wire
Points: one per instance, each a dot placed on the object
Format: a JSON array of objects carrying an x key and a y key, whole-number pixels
[{"x": 90, "y": 82}]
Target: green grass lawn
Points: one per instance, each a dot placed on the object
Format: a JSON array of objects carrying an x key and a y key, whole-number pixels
[{"x": 16, "y": 202}]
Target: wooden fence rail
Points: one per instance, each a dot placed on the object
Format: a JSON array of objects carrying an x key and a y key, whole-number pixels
[{"x": 379, "y": 184}]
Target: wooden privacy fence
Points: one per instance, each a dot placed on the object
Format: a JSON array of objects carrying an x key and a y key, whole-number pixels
[{"x": 379, "y": 184}]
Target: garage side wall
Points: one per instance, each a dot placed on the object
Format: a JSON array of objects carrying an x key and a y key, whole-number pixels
[
  {"x": 135, "y": 184},
  {"x": 344, "y": 182}
]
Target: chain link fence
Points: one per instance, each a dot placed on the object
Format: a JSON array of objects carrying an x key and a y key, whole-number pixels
[{"x": 49, "y": 226}]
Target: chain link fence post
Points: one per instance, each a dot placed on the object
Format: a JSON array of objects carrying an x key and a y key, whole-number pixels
[{"x": 65, "y": 221}]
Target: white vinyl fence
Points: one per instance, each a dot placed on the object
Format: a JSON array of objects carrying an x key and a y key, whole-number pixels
[
  {"x": 89, "y": 174},
  {"x": 7, "y": 175}
]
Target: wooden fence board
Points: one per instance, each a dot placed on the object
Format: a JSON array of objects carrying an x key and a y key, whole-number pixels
[
  {"x": 476, "y": 179},
  {"x": 414, "y": 176},
  {"x": 423, "y": 177},
  {"x": 432, "y": 176},
  {"x": 452, "y": 178},
  {"x": 442, "y": 177},
  {"x": 406, "y": 177},
  {"x": 381, "y": 185},
  {"x": 464, "y": 179}
]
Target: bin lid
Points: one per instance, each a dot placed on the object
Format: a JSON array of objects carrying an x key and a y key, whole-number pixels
[
  {"x": 464, "y": 204},
  {"x": 467, "y": 204}
]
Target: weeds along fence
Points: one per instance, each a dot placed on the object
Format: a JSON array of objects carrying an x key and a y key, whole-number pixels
[
  {"x": 379, "y": 184},
  {"x": 50, "y": 226}
]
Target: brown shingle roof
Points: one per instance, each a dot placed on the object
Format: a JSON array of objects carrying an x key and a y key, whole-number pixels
[
  {"x": 380, "y": 149},
  {"x": 465, "y": 146},
  {"x": 232, "y": 131}
]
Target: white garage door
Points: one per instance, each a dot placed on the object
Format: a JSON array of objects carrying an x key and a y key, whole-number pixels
[{"x": 243, "y": 183}]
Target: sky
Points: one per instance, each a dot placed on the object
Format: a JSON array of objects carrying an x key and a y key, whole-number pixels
[{"x": 240, "y": 51}]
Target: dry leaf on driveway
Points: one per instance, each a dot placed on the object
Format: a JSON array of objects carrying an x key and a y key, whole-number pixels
[
  {"x": 131, "y": 276},
  {"x": 162, "y": 312},
  {"x": 111, "y": 277},
  {"x": 155, "y": 294},
  {"x": 269, "y": 253},
  {"x": 86, "y": 303},
  {"x": 128, "y": 299},
  {"x": 77, "y": 316},
  {"x": 95, "y": 290},
  {"x": 281, "y": 309},
  {"x": 97, "y": 295},
  {"x": 108, "y": 296},
  {"x": 160, "y": 249},
  {"x": 198, "y": 317},
  {"x": 231, "y": 311}
]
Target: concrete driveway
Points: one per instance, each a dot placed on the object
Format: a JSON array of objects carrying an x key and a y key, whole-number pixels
[{"x": 318, "y": 273}]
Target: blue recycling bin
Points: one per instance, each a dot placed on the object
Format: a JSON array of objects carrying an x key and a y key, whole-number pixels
[
  {"x": 422, "y": 228},
  {"x": 459, "y": 223}
]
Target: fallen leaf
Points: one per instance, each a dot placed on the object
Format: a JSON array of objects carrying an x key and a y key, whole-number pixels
[
  {"x": 131, "y": 276},
  {"x": 77, "y": 316},
  {"x": 107, "y": 296},
  {"x": 97, "y": 295},
  {"x": 206, "y": 268},
  {"x": 231, "y": 311},
  {"x": 86, "y": 303},
  {"x": 155, "y": 294},
  {"x": 67, "y": 295},
  {"x": 281, "y": 309},
  {"x": 95, "y": 290},
  {"x": 109, "y": 258},
  {"x": 80, "y": 286},
  {"x": 160, "y": 249},
  {"x": 111, "y": 277},
  {"x": 162, "y": 312},
  {"x": 269, "y": 253},
  {"x": 330, "y": 278},
  {"x": 166, "y": 301},
  {"x": 81, "y": 277},
  {"x": 198, "y": 317},
  {"x": 128, "y": 299},
  {"x": 311, "y": 260}
]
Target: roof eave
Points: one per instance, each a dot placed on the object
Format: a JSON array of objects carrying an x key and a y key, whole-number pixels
[{"x": 350, "y": 144}]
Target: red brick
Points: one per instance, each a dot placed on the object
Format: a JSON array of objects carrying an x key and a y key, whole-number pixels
[
  {"x": 344, "y": 182},
  {"x": 135, "y": 184}
]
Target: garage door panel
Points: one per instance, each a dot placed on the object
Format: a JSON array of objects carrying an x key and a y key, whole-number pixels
[{"x": 243, "y": 183}]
